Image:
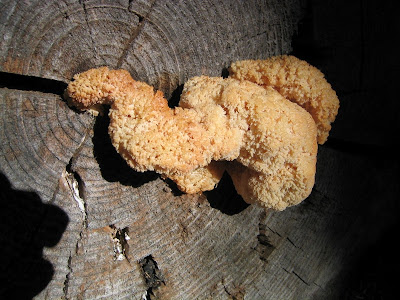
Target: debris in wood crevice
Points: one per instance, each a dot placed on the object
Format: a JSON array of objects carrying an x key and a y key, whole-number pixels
[
  {"x": 120, "y": 242},
  {"x": 76, "y": 186},
  {"x": 152, "y": 275}
]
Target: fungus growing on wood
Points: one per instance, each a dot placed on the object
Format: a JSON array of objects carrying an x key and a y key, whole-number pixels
[{"x": 243, "y": 124}]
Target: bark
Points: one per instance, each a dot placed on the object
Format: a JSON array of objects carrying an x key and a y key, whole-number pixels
[{"x": 78, "y": 223}]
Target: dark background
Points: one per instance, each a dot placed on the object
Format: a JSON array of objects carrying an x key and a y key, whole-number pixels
[{"x": 355, "y": 45}]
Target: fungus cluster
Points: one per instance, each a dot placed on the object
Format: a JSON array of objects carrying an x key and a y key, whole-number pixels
[{"x": 261, "y": 125}]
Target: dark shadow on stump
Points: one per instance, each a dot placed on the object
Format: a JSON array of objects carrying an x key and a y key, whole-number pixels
[
  {"x": 225, "y": 73},
  {"x": 174, "y": 188},
  {"x": 175, "y": 96},
  {"x": 112, "y": 166},
  {"x": 225, "y": 198},
  {"x": 27, "y": 225}
]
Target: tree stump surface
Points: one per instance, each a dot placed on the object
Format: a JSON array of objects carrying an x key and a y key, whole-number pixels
[{"x": 78, "y": 223}]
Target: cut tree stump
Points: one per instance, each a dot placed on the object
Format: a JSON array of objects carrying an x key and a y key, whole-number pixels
[{"x": 77, "y": 223}]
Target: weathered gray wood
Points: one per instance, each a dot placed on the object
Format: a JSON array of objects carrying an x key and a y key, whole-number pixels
[{"x": 123, "y": 234}]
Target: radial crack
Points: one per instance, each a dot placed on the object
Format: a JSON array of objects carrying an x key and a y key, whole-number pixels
[
  {"x": 265, "y": 247},
  {"x": 67, "y": 278},
  {"x": 135, "y": 33},
  {"x": 298, "y": 276},
  {"x": 92, "y": 40},
  {"x": 293, "y": 244},
  {"x": 31, "y": 83},
  {"x": 74, "y": 181},
  {"x": 76, "y": 187}
]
